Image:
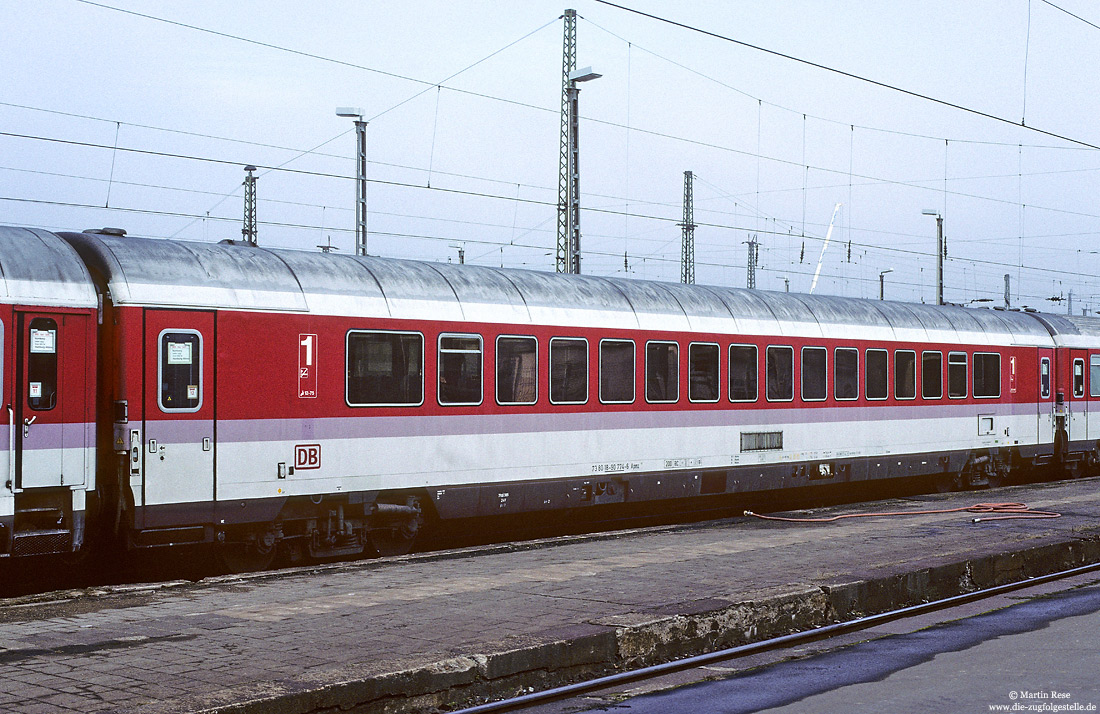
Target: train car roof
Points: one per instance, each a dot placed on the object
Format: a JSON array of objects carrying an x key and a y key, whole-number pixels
[
  {"x": 38, "y": 268},
  {"x": 1076, "y": 331},
  {"x": 143, "y": 271}
]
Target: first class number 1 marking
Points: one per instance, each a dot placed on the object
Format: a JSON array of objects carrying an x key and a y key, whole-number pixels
[{"x": 307, "y": 366}]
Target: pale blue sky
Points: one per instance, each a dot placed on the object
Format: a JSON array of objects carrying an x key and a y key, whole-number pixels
[{"x": 669, "y": 101}]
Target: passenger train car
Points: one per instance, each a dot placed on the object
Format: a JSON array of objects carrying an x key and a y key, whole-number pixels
[{"x": 321, "y": 405}]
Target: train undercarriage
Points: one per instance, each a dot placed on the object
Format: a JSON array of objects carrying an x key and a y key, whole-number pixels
[{"x": 345, "y": 526}]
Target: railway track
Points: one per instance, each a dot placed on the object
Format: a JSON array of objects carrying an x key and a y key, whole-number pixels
[{"x": 536, "y": 701}]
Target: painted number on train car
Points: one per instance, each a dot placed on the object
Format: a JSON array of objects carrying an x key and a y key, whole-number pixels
[
  {"x": 307, "y": 456},
  {"x": 307, "y": 366},
  {"x": 1012, "y": 375}
]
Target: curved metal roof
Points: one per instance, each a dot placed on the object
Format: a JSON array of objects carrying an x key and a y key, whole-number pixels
[
  {"x": 38, "y": 268},
  {"x": 178, "y": 273}
]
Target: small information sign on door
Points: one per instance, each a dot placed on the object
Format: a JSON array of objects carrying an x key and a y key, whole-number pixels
[
  {"x": 43, "y": 341},
  {"x": 307, "y": 366}
]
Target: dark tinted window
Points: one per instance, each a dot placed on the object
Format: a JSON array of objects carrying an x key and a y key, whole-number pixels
[
  {"x": 1078, "y": 377},
  {"x": 460, "y": 369},
  {"x": 616, "y": 371},
  {"x": 956, "y": 375},
  {"x": 931, "y": 375},
  {"x": 662, "y": 372},
  {"x": 703, "y": 372},
  {"x": 814, "y": 373},
  {"x": 42, "y": 364},
  {"x": 846, "y": 373},
  {"x": 743, "y": 373},
  {"x": 385, "y": 368},
  {"x": 780, "y": 373},
  {"x": 180, "y": 371},
  {"x": 568, "y": 371},
  {"x": 876, "y": 387},
  {"x": 1044, "y": 377},
  {"x": 905, "y": 374},
  {"x": 517, "y": 370},
  {"x": 987, "y": 375}
]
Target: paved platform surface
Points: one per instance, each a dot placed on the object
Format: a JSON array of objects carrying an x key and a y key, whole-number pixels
[{"x": 443, "y": 630}]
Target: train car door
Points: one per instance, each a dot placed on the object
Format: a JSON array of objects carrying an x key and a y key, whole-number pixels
[
  {"x": 1077, "y": 397},
  {"x": 178, "y": 478},
  {"x": 1093, "y": 367},
  {"x": 1045, "y": 431},
  {"x": 51, "y": 399},
  {"x": 7, "y": 444}
]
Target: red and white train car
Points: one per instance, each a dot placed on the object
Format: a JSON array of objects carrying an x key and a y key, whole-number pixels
[
  {"x": 327, "y": 405},
  {"x": 47, "y": 376}
]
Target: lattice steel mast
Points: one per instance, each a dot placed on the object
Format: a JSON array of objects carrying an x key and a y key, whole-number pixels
[
  {"x": 687, "y": 251},
  {"x": 566, "y": 194},
  {"x": 754, "y": 256},
  {"x": 248, "y": 232}
]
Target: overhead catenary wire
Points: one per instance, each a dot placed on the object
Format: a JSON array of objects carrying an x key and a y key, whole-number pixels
[
  {"x": 817, "y": 117},
  {"x": 851, "y": 75},
  {"x": 498, "y": 244},
  {"x": 1078, "y": 17},
  {"x": 429, "y": 85}
]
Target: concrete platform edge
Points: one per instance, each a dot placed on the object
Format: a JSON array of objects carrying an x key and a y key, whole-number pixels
[{"x": 632, "y": 640}]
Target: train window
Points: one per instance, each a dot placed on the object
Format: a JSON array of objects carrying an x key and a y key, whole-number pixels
[
  {"x": 42, "y": 365},
  {"x": 662, "y": 372},
  {"x": 703, "y": 372},
  {"x": 1044, "y": 377},
  {"x": 780, "y": 374},
  {"x": 617, "y": 371},
  {"x": 987, "y": 374},
  {"x": 385, "y": 369},
  {"x": 877, "y": 382},
  {"x": 743, "y": 373},
  {"x": 459, "y": 369},
  {"x": 956, "y": 375},
  {"x": 517, "y": 370},
  {"x": 1078, "y": 377},
  {"x": 1094, "y": 375},
  {"x": 905, "y": 374},
  {"x": 814, "y": 374},
  {"x": 568, "y": 370},
  {"x": 846, "y": 373},
  {"x": 179, "y": 371},
  {"x": 931, "y": 375}
]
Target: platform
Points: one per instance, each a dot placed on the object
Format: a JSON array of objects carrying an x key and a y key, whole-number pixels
[{"x": 446, "y": 629}]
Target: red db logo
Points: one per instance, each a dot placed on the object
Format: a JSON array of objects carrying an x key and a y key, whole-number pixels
[{"x": 307, "y": 456}]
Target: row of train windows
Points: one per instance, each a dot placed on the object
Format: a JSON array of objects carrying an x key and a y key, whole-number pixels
[{"x": 387, "y": 368}]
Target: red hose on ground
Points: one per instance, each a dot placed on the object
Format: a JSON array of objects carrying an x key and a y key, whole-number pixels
[{"x": 1010, "y": 510}]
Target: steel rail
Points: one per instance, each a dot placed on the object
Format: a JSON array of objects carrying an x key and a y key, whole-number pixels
[{"x": 764, "y": 645}]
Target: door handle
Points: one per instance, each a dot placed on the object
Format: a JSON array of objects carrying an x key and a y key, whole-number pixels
[
  {"x": 135, "y": 452},
  {"x": 27, "y": 425}
]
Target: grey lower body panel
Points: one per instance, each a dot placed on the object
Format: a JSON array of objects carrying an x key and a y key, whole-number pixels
[{"x": 182, "y": 523}]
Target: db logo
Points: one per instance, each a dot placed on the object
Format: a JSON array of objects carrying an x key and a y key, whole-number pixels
[{"x": 307, "y": 456}]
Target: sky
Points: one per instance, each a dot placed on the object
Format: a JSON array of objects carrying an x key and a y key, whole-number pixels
[{"x": 142, "y": 115}]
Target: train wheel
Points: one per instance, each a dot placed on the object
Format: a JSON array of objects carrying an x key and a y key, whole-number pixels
[
  {"x": 389, "y": 542},
  {"x": 254, "y": 554},
  {"x": 947, "y": 482},
  {"x": 396, "y": 527}
]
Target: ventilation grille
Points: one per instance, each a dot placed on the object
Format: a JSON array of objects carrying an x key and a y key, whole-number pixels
[
  {"x": 761, "y": 441},
  {"x": 42, "y": 543}
]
